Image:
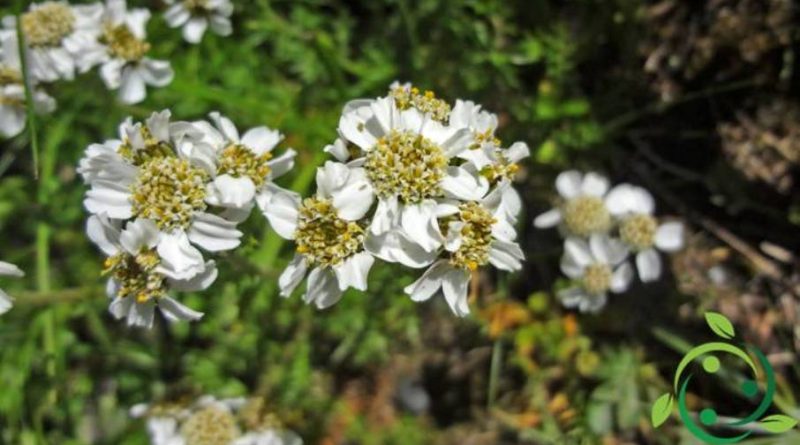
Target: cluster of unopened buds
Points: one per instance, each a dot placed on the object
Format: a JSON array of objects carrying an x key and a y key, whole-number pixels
[
  {"x": 602, "y": 229},
  {"x": 415, "y": 181},
  {"x": 62, "y": 40},
  {"x": 164, "y": 193},
  {"x": 208, "y": 420}
]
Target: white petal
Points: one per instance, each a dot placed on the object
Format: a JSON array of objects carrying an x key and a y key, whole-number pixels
[
  {"x": 141, "y": 315},
  {"x": 179, "y": 260},
  {"x": 194, "y": 29},
  {"x": 174, "y": 311},
  {"x": 461, "y": 184},
  {"x": 393, "y": 247},
  {"x": 322, "y": 288},
  {"x": 506, "y": 256},
  {"x": 6, "y": 302},
  {"x": 10, "y": 270},
  {"x": 292, "y": 275},
  {"x": 132, "y": 88},
  {"x": 550, "y": 218},
  {"x": 386, "y": 215},
  {"x": 226, "y": 126},
  {"x": 214, "y": 233},
  {"x": 139, "y": 234},
  {"x": 626, "y": 199},
  {"x": 454, "y": 239},
  {"x": 570, "y": 268},
  {"x": 517, "y": 152},
  {"x": 338, "y": 150},
  {"x": 418, "y": 222},
  {"x": 607, "y": 250},
  {"x": 199, "y": 282},
  {"x": 120, "y": 307},
  {"x": 578, "y": 251},
  {"x": 669, "y": 236},
  {"x": 353, "y": 271},
  {"x": 280, "y": 207},
  {"x": 622, "y": 277},
  {"x": 157, "y": 73},
  {"x": 227, "y": 191},
  {"x": 109, "y": 198},
  {"x": 282, "y": 164},
  {"x": 648, "y": 263},
  {"x": 594, "y": 184},
  {"x": 455, "y": 285},
  {"x": 568, "y": 184},
  {"x": 430, "y": 282},
  {"x": 354, "y": 200},
  {"x": 261, "y": 139}
]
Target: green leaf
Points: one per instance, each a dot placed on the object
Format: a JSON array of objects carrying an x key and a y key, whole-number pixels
[
  {"x": 662, "y": 408},
  {"x": 720, "y": 325},
  {"x": 778, "y": 423}
]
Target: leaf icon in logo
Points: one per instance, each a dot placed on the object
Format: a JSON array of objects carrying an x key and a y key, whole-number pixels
[
  {"x": 662, "y": 408},
  {"x": 720, "y": 325},
  {"x": 777, "y": 423}
]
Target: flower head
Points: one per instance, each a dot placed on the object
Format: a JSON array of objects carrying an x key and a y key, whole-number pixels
[
  {"x": 195, "y": 17},
  {"x": 122, "y": 50},
  {"x": 598, "y": 267},
  {"x": 640, "y": 230},
  {"x": 12, "y": 90},
  {"x": 582, "y": 211},
  {"x": 56, "y": 34}
]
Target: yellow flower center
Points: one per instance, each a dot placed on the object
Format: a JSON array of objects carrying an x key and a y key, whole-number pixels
[
  {"x": 585, "y": 215},
  {"x": 169, "y": 191},
  {"x": 503, "y": 169},
  {"x": 153, "y": 149},
  {"x": 136, "y": 275},
  {"x": 426, "y": 102},
  {"x": 123, "y": 44},
  {"x": 47, "y": 25},
  {"x": 480, "y": 138},
  {"x": 210, "y": 426},
  {"x": 639, "y": 231},
  {"x": 597, "y": 278},
  {"x": 476, "y": 237},
  {"x": 406, "y": 164},
  {"x": 324, "y": 238},
  {"x": 238, "y": 161},
  {"x": 9, "y": 76}
]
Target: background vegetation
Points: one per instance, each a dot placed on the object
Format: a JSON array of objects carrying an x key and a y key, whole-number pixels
[{"x": 694, "y": 100}]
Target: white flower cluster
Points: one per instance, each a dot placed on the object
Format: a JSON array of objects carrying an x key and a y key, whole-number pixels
[
  {"x": 417, "y": 182},
  {"x": 214, "y": 421},
  {"x": 602, "y": 229},
  {"x": 163, "y": 191},
  {"x": 62, "y": 40},
  {"x": 7, "y": 270}
]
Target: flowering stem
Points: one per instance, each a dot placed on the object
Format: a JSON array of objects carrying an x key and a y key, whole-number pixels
[{"x": 29, "y": 106}]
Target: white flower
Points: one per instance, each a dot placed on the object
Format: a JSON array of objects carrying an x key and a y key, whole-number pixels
[
  {"x": 208, "y": 420},
  {"x": 55, "y": 34},
  {"x": 329, "y": 231},
  {"x": 144, "y": 269},
  {"x": 269, "y": 437},
  {"x": 405, "y": 148},
  {"x": 156, "y": 172},
  {"x": 245, "y": 167},
  {"x": 7, "y": 270},
  {"x": 476, "y": 234},
  {"x": 598, "y": 266},
  {"x": 12, "y": 90},
  {"x": 582, "y": 212},
  {"x": 195, "y": 16},
  {"x": 123, "y": 54},
  {"x": 482, "y": 126},
  {"x": 633, "y": 207}
]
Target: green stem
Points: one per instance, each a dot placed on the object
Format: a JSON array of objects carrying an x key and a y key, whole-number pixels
[
  {"x": 29, "y": 105},
  {"x": 494, "y": 372}
]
